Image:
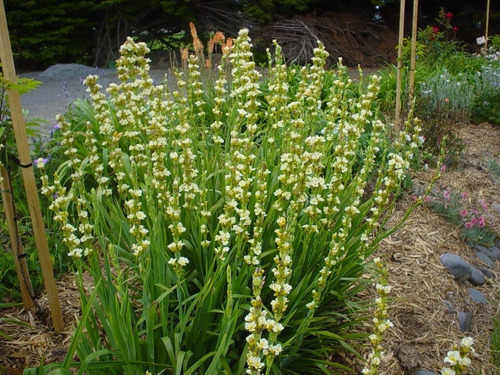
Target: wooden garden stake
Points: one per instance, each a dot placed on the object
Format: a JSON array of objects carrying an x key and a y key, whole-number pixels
[
  {"x": 15, "y": 240},
  {"x": 9, "y": 73},
  {"x": 413, "y": 52},
  {"x": 487, "y": 26},
  {"x": 400, "y": 63}
]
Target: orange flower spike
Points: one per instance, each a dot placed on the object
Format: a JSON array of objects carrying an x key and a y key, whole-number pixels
[
  {"x": 194, "y": 34},
  {"x": 226, "y": 48},
  {"x": 219, "y": 37},
  {"x": 185, "y": 54},
  {"x": 211, "y": 45}
]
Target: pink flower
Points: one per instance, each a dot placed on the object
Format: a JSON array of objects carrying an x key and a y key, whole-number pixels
[
  {"x": 469, "y": 225},
  {"x": 463, "y": 212},
  {"x": 481, "y": 221},
  {"x": 447, "y": 195},
  {"x": 455, "y": 28},
  {"x": 427, "y": 199},
  {"x": 449, "y": 15},
  {"x": 435, "y": 29},
  {"x": 443, "y": 168},
  {"x": 483, "y": 204},
  {"x": 473, "y": 220},
  {"x": 464, "y": 195}
]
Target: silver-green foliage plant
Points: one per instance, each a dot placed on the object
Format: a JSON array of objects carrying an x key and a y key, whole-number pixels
[{"x": 225, "y": 228}]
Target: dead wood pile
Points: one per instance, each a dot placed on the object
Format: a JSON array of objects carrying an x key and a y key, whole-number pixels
[{"x": 356, "y": 39}]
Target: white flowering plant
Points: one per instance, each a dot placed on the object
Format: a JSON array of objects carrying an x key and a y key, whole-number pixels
[
  {"x": 225, "y": 223},
  {"x": 459, "y": 359}
]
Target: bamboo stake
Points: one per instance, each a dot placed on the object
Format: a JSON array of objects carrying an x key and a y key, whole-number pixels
[
  {"x": 487, "y": 26},
  {"x": 400, "y": 63},
  {"x": 15, "y": 240},
  {"x": 413, "y": 52},
  {"x": 9, "y": 73}
]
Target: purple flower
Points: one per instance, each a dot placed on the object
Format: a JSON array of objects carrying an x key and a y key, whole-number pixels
[
  {"x": 40, "y": 162},
  {"x": 483, "y": 204},
  {"x": 447, "y": 195}
]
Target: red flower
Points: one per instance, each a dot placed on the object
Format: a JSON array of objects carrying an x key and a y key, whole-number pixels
[
  {"x": 435, "y": 29},
  {"x": 455, "y": 28},
  {"x": 449, "y": 15}
]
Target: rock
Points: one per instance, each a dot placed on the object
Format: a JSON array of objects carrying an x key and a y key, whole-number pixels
[
  {"x": 486, "y": 272},
  {"x": 477, "y": 296},
  {"x": 457, "y": 266},
  {"x": 425, "y": 372},
  {"x": 484, "y": 258},
  {"x": 496, "y": 206},
  {"x": 495, "y": 253},
  {"x": 476, "y": 277},
  {"x": 481, "y": 248},
  {"x": 449, "y": 306},
  {"x": 465, "y": 321}
]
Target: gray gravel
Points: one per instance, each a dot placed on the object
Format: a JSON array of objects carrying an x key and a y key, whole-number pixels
[{"x": 61, "y": 85}]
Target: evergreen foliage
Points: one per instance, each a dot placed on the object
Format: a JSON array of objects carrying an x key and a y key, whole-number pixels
[{"x": 45, "y": 32}]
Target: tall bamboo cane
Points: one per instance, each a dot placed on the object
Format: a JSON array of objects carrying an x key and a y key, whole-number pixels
[
  {"x": 400, "y": 63},
  {"x": 15, "y": 240},
  {"x": 487, "y": 26},
  {"x": 9, "y": 72},
  {"x": 413, "y": 52}
]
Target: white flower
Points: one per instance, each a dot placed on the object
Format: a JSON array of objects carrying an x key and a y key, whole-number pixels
[
  {"x": 254, "y": 363},
  {"x": 183, "y": 261},
  {"x": 384, "y": 288},
  {"x": 467, "y": 342},
  {"x": 263, "y": 344},
  {"x": 464, "y": 362},
  {"x": 447, "y": 371},
  {"x": 481, "y": 40},
  {"x": 452, "y": 357}
]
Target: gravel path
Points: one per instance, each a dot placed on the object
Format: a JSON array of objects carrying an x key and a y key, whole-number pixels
[{"x": 61, "y": 85}]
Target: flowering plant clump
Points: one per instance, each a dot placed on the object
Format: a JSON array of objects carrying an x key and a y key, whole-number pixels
[
  {"x": 459, "y": 359},
  {"x": 380, "y": 321},
  {"x": 473, "y": 219},
  {"x": 490, "y": 48},
  {"x": 226, "y": 222}
]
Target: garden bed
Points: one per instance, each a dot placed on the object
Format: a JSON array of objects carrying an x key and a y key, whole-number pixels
[{"x": 425, "y": 326}]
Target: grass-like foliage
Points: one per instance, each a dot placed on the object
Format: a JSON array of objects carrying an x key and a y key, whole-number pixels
[
  {"x": 223, "y": 226},
  {"x": 472, "y": 219}
]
